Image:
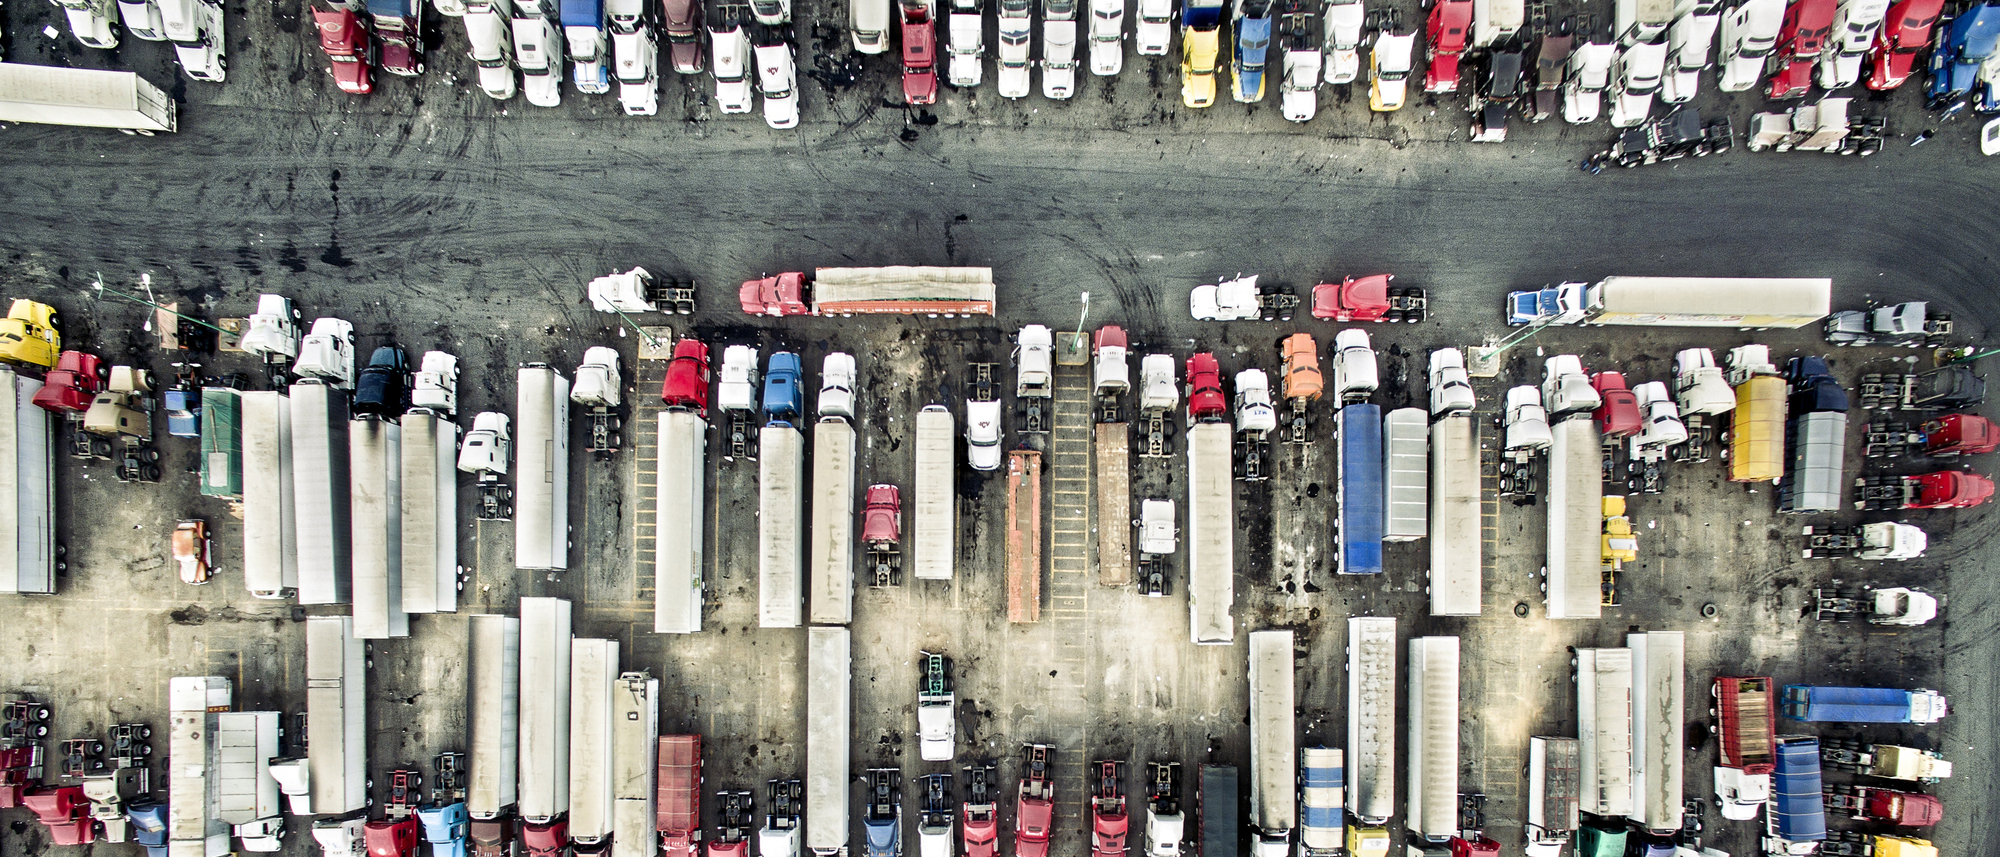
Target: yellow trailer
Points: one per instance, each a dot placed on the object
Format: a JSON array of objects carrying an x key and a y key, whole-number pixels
[{"x": 1757, "y": 431}]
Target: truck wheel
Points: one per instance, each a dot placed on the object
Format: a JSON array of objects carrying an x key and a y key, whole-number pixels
[
  {"x": 41, "y": 730},
  {"x": 146, "y": 732},
  {"x": 145, "y": 749},
  {"x": 97, "y": 748},
  {"x": 152, "y": 473},
  {"x": 149, "y": 455}
]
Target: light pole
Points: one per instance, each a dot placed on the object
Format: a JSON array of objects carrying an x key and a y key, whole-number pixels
[
  {"x": 101, "y": 288},
  {"x": 1074, "y": 354}
]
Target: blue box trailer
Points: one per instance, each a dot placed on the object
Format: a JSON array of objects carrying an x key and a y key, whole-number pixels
[
  {"x": 1861, "y": 704},
  {"x": 582, "y": 13},
  {"x": 1797, "y": 812},
  {"x": 1359, "y": 495},
  {"x": 1201, "y": 14}
]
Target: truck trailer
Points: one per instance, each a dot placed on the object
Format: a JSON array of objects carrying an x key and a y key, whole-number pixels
[
  {"x": 84, "y": 97},
  {"x": 635, "y": 735},
  {"x": 1215, "y": 808},
  {"x": 195, "y": 704},
  {"x": 781, "y": 503},
  {"x": 1604, "y": 730},
  {"x": 1322, "y": 787},
  {"x": 677, "y": 795},
  {"x": 1813, "y": 704},
  {"x": 246, "y": 794},
  {"x": 1405, "y": 468},
  {"x": 1553, "y": 785},
  {"x": 829, "y": 697},
  {"x": 493, "y": 715},
  {"x": 1360, "y": 518},
  {"x": 336, "y": 715},
  {"x": 1818, "y": 451},
  {"x": 1739, "y": 302},
  {"x": 1659, "y": 668},
  {"x": 1211, "y": 535},
  {"x": 545, "y": 709},
  {"x": 1371, "y": 720},
  {"x": 1432, "y": 813},
  {"x": 831, "y": 538},
  {"x": 1573, "y": 578},
  {"x": 1757, "y": 430},
  {"x": 934, "y": 529},
  {"x": 430, "y": 512},
  {"x": 593, "y": 681},
  {"x": 1743, "y": 712},
  {"x": 541, "y": 476},
  {"x": 270, "y": 528},
  {"x": 845, "y": 292},
  {"x": 678, "y": 522},
  {"x": 1457, "y": 543},
  {"x": 375, "y": 494},
  {"x": 1273, "y": 744},
  {"x": 27, "y": 488},
  {"x": 1796, "y": 817},
  {"x": 320, "y": 483}
]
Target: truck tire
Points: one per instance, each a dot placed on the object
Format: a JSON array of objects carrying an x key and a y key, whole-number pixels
[
  {"x": 42, "y": 712},
  {"x": 97, "y": 748}
]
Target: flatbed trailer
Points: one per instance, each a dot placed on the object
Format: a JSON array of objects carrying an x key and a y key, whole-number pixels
[
  {"x": 780, "y": 527},
  {"x": 1114, "y": 504},
  {"x": 679, "y": 522},
  {"x": 830, "y": 559},
  {"x": 829, "y": 697},
  {"x": 1211, "y": 535},
  {"x": 934, "y": 526},
  {"x": 1024, "y": 536},
  {"x": 1457, "y": 542}
]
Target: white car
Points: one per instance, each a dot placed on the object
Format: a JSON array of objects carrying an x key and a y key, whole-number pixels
[
  {"x": 635, "y": 57},
  {"x": 1527, "y": 420},
  {"x": 1159, "y": 389},
  {"x": 1389, "y": 71},
  {"x": 1298, "y": 93},
  {"x": 836, "y": 386},
  {"x": 327, "y": 352},
  {"x": 777, "y": 77},
  {"x": 1107, "y": 36},
  {"x": 436, "y": 385},
  {"x": 1344, "y": 20},
  {"x": 1058, "y": 59},
  {"x": 1566, "y": 388},
  {"x": 488, "y": 447},
  {"x": 1354, "y": 371},
  {"x": 982, "y": 435},
  {"x": 732, "y": 68},
  {"x": 968, "y": 44},
  {"x": 1154, "y": 31},
  {"x": 1253, "y": 402},
  {"x": 1451, "y": 388},
  {"x": 492, "y": 46},
  {"x": 1015, "y": 33}
]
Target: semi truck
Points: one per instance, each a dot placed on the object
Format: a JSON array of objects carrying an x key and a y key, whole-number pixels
[
  {"x": 1659, "y": 667},
  {"x": 336, "y": 715},
  {"x": 320, "y": 482},
  {"x": 1879, "y": 540},
  {"x": 195, "y": 705},
  {"x": 1273, "y": 744},
  {"x": 545, "y": 712},
  {"x": 593, "y": 687},
  {"x": 831, "y": 545},
  {"x": 1211, "y": 535},
  {"x": 375, "y": 495},
  {"x": 781, "y": 514},
  {"x": 1215, "y": 809},
  {"x": 1944, "y": 489},
  {"x": 1166, "y": 822},
  {"x": 829, "y": 697},
  {"x": 1371, "y": 720},
  {"x": 1909, "y": 324},
  {"x": 1322, "y": 784},
  {"x": 1950, "y": 435},
  {"x": 1885, "y": 806},
  {"x": 1813, "y": 704},
  {"x": 677, "y": 800},
  {"x": 541, "y": 482},
  {"x": 1255, "y": 420},
  {"x": 1457, "y": 546},
  {"x": 27, "y": 499},
  {"x": 1359, "y": 493},
  {"x": 1739, "y": 302},
  {"x": 846, "y": 292},
  {"x": 934, "y": 529},
  {"x": 246, "y": 794},
  {"x": 635, "y": 733},
  {"x": 937, "y": 708},
  {"x": 1553, "y": 786},
  {"x": 1795, "y": 821},
  {"x": 1948, "y": 388},
  {"x": 1604, "y": 712},
  {"x": 84, "y": 97},
  {"x": 1369, "y": 298},
  {"x": 1405, "y": 449},
  {"x": 1432, "y": 812},
  {"x": 1573, "y": 579},
  {"x": 678, "y": 521},
  {"x": 1159, "y": 394},
  {"x": 1888, "y": 761},
  {"x": 599, "y": 389},
  {"x": 430, "y": 512},
  {"x": 780, "y": 834},
  {"x": 1894, "y": 605},
  {"x": 493, "y": 716},
  {"x": 270, "y": 529}
]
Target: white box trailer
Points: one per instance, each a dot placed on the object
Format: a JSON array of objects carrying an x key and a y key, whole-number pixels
[
  {"x": 1432, "y": 814},
  {"x": 1371, "y": 719},
  {"x": 1659, "y": 681},
  {"x": 319, "y": 492},
  {"x": 1573, "y": 579},
  {"x": 1406, "y": 474},
  {"x": 83, "y": 97},
  {"x": 934, "y": 530},
  {"x": 830, "y": 560},
  {"x": 430, "y": 513},
  {"x": 593, "y": 681},
  {"x": 1552, "y": 791},
  {"x": 1273, "y": 744},
  {"x": 1604, "y": 730},
  {"x": 541, "y": 469},
  {"x": 635, "y": 733},
  {"x": 493, "y": 715},
  {"x": 1458, "y": 543},
  {"x": 245, "y": 742},
  {"x": 1211, "y": 534},
  {"x": 270, "y": 529},
  {"x": 27, "y": 488},
  {"x": 194, "y": 704},
  {"x": 545, "y": 677},
  {"x": 829, "y": 701},
  {"x": 679, "y": 517},
  {"x": 336, "y": 715},
  {"x": 781, "y": 505},
  {"x": 1739, "y": 302},
  {"x": 375, "y": 495}
]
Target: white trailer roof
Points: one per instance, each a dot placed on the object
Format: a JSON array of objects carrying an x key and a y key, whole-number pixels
[
  {"x": 1433, "y": 779},
  {"x": 592, "y": 685},
  {"x": 934, "y": 530},
  {"x": 545, "y": 679},
  {"x": 635, "y": 732},
  {"x": 1576, "y": 520},
  {"x": 679, "y": 519},
  {"x": 1716, "y": 301},
  {"x": 1405, "y": 466},
  {"x": 1814, "y": 482},
  {"x": 336, "y": 715},
  {"x": 493, "y": 714},
  {"x": 430, "y": 513},
  {"x": 781, "y": 503},
  {"x": 1273, "y": 742},
  {"x": 1211, "y": 534},
  {"x": 1457, "y": 539},
  {"x": 829, "y": 695},
  {"x": 1604, "y": 730},
  {"x": 831, "y": 554},
  {"x": 270, "y": 531},
  {"x": 27, "y": 514},
  {"x": 902, "y": 282},
  {"x": 245, "y": 743},
  {"x": 541, "y": 474},
  {"x": 375, "y": 494},
  {"x": 320, "y": 483},
  {"x": 1659, "y": 682},
  {"x": 1371, "y": 718}
]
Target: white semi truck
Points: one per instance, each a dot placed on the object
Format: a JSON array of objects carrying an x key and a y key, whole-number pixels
[
  {"x": 541, "y": 480},
  {"x": 1604, "y": 730},
  {"x": 493, "y": 716},
  {"x": 320, "y": 482},
  {"x": 780, "y": 526},
  {"x": 545, "y": 709},
  {"x": 677, "y": 522},
  {"x": 27, "y": 488},
  {"x": 270, "y": 529},
  {"x": 1211, "y": 535},
  {"x": 194, "y": 705},
  {"x": 1572, "y": 580},
  {"x": 934, "y": 529},
  {"x": 375, "y": 469},
  {"x": 831, "y": 551},
  {"x": 89, "y": 98},
  {"x": 336, "y": 715},
  {"x": 1273, "y": 744},
  {"x": 1371, "y": 719},
  {"x": 1659, "y": 680},
  {"x": 592, "y": 688},
  {"x": 1432, "y": 814},
  {"x": 1457, "y": 548},
  {"x": 635, "y": 734},
  {"x": 829, "y": 697},
  {"x": 429, "y": 512}
]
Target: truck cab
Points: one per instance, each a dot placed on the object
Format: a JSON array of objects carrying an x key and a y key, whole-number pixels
[
  {"x": 538, "y": 49},
  {"x": 436, "y": 385},
  {"x": 195, "y": 29},
  {"x": 968, "y": 46},
  {"x": 1166, "y": 823},
  {"x": 1617, "y": 412},
  {"x": 836, "y": 386},
  {"x": 492, "y": 837},
  {"x": 1449, "y": 27},
  {"x": 29, "y": 336},
  {"x": 445, "y": 828},
  {"x": 937, "y": 710},
  {"x": 1527, "y": 421},
  {"x": 383, "y": 388},
  {"x": 1157, "y": 389},
  {"x": 393, "y": 837},
  {"x": 1699, "y": 385},
  {"x": 1354, "y": 369},
  {"x": 882, "y": 821},
  {"x": 1111, "y": 368},
  {"x": 488, "y": 447},
  {"x": 1450, "y": 386},
  {"x": 687, "y": 378},
  {"x": 327, "y": 353},
  {"x": 1034, "y": 816},
  {"x": 599, "y": 382},
  {"x": 777, "y": 81},
  {"x": 1036, "y": 362},
  {"x": 982, "y": 435},
  {"x": 1303, "y": 65},
  {"x": 69, "y": 388},
  {"x": 1157, "y": 533},
  {"x": 149, "y": 827},
  {"x": 1660, "y": 418},
  {"x": 920, "y": 73},
  {"x": 341, "y": 837},
  {"x": 1389, "y": 65},
  {"x": 979, "y": 821},
  {"x": 1107, "y": 36},
  {"x": 882, "y": 516},
  {"x": 344, "y": 37},
  {"x": 934, "y": 819},
  {"x": 1565, "y": 387},
  {"x": 272, "y": 332},
  {"x": 65, "y": 812},
  {"x": 1109, "y": 821},
  {"x": 552, "y": 840},
  {"x": 1253, "y": 402},
  {"x": 635, "y": 57},
  {"x": 780, "y": 835},
  {"x": 1206, "y": 403},
  {"x": 737, "y": 390},
  {"x": 584, "y": 31},
  {"x": 729, "y": 44},
  {"x": 733, "y": 837}
]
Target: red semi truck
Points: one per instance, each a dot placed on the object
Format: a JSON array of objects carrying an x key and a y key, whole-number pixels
[
  {"x": 1743, "y": 713},
  {"x": 1109, "y": 820},
  {"x": 1206, "y": 403},
  {"x": 932, "y": 291},
  {"x": 66, "y": 813},
  {"x": 1945, "y": 489},
  {"x": 1948, "y": 435},
  {"x": 1035, "y": 815},
  {"x": 1369, "y": 298},
  {"x": 687, "y": 381},
  {"x": 677, "y": 802},
  {"x": 1888, "y": 806}
]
